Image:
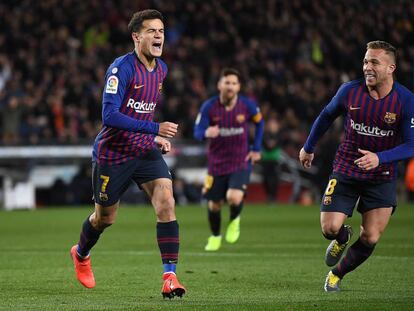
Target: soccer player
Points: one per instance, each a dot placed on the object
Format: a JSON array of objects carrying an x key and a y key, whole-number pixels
[
  {"x": 129, "y": 147},
  {"x": 224, "y": 121},
  {"x": 379, "y": 131}
]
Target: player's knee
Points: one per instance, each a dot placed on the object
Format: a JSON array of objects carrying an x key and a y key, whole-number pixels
[
  {"x": 164, "y": 207},
  {"x": 103, "y": 222},
  {"x": 165, "y": 202},
  {"x": 330, "y": 231},
  {"x": 234, "y": 199},
  {"x": 214, "y": 206},
  {"x": 370, "y": 238}
]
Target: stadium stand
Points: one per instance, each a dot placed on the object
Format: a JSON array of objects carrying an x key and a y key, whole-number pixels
[{"x": 292, "y": 55}]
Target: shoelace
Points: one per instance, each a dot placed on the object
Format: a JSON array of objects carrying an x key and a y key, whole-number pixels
[
  {"x": 337, "y": 248},
  {"x": 332, "y": 281}
]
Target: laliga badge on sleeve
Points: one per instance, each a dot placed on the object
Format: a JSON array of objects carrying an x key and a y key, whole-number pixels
[{"x": 112, "y": 85}]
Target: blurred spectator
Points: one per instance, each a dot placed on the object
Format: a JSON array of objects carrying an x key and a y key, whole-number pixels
[
  {"x": 11, "y": 119},
  {"x": 5, "y": 70},
  {"x": 80, "y": 188},
  {"x": 270, "y": 157}
]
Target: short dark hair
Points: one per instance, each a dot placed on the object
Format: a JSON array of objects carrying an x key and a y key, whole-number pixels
[
  {"x": 230, "y": 71},
  {"x": 382, "y": 45},
  {"x": 138, "y": 19}
]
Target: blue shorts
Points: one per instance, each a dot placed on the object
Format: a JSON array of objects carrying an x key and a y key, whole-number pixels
[
  {"x": 109, "y": 182},
  {"x": 343, "y": 194},
  {"x": 215, "y": 187}
]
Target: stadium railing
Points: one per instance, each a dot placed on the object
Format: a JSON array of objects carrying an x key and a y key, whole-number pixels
[{"x": 25, "y": 169}]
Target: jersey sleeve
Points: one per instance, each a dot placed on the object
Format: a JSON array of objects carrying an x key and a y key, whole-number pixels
[
  {"x": 117, "y": 80},
  {"x": 335, "y": 108},
  {"x": 406, "y": 149},
  {"x": 254, "y": 111},
  {"x": 257, "y": 118},
  {"x": 202, "y": 122}
]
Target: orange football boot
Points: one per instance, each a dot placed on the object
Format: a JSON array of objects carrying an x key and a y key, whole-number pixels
[
  {"x": 171, "y": 286},
  {"x": 83, "y": 268}
]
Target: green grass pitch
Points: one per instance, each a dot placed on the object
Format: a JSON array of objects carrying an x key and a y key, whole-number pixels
[{"x": 276, "y": 265}]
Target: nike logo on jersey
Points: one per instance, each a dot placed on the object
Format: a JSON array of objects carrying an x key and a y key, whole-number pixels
[
  {"x": 354, "y": 108},
  {"x": 136, "y": 86}
]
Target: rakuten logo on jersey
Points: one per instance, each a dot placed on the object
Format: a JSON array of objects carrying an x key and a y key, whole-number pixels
[
  {"x": 374, "y": 131},
  {"x": 232, "y": 131},
  {"x": 141, "y": 107}
]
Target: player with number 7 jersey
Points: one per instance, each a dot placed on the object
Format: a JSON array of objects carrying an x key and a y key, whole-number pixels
[{"x": 129, "y": 148}]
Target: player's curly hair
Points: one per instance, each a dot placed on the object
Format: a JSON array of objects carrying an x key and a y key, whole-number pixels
[
  {"x": 138, "y": 18},
  {"x": 382, "y": 45}
]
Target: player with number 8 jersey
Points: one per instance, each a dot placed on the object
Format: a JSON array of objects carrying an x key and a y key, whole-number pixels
[{"x": 379, "y": 131}]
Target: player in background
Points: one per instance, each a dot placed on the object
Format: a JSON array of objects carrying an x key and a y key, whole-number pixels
[
  {"x": 129, "y": 147},
  {"x": 224, "y": 121},
  {"x": 379, "y": 131}
]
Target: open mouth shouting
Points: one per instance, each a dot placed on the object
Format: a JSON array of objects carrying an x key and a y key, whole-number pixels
[{"x": 156, "y": 47}]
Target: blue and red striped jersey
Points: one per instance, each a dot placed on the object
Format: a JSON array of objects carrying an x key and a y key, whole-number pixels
[
  {"x": 130, "y": 98},
  {"x": 384, "y": 126},
  {"x": 227, "y": 152}
]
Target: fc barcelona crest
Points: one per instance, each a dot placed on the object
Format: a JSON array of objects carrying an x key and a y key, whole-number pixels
[
  {"x": 327, "y": 200},
  {"x": 240, "y": 118},
  {"x": 103, "y": 196},
  {"x": 390, "y": 117},
  {"x": 160, "y": 87}
]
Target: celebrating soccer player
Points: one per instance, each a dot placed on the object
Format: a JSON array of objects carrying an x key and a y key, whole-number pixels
[
  {"x": 379, "y": 130},
  {"x": 224, "y": 121},
  {"x": 129, "y": 147}
]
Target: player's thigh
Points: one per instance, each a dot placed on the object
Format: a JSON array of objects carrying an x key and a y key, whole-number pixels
[
  {"x": 331, "y": 222},
  {"x": 234, "y": 196},
  {"x": 374, "y": 223},
  {"x": 341, "y": 196},
  {"x": 149, "y": 168},
  {"x": 161, "y": 193},
  {"x": 377, "y": 195},
  {"x": 159, "y": 189},
  {"x": 215, "y": 188},
  {"x": 378, "y": 202},
  {"x": 238, "y": 182},
  {"x": 109, "y": 182}
]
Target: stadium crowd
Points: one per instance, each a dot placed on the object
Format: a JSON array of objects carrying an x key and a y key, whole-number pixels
[{"x": 292, "y": 54}]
